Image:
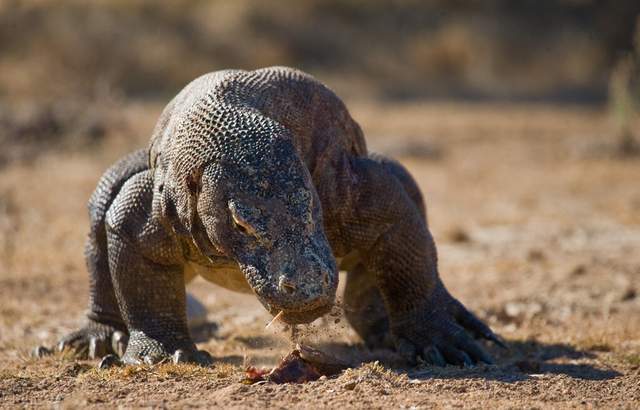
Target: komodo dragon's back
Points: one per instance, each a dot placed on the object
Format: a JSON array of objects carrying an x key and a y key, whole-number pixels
[{"x": 281, "y": 99}]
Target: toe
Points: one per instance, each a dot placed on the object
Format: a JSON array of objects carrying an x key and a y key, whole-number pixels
[
  {"x": 406, "y": 350},
  {"x": 474, "y": 325},
  {"x": 98, "y": 347},
  {"x": 455, "y": 356},
  {"x": 109, "y": 361},
  {"x": 77, "y": 345},
  {"x": 73, "y": 340},
  {"x": 41, "y": 351},
  {"x": 477, "y": 354},
  {"x": 433, "y": 356},
  {"x": 180, "y": 356},
  {"x": 119, "y": 342}
]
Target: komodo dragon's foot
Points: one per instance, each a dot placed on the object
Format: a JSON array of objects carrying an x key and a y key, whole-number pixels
[
  {"x": 439, "y": 332},
  {"x": 97, "y": 340},
  {"x": 144, "y": 350},
  {"x": 94, "y": 340}
]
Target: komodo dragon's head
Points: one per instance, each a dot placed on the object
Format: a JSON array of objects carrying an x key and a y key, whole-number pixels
[{"x": 258, "y": 207}]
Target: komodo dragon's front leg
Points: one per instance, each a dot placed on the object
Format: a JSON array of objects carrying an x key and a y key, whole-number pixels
[
  {"x": 104, "y": 330},
  {"x": 146, "y": 266},
  {"x": 397, "y": 273}
]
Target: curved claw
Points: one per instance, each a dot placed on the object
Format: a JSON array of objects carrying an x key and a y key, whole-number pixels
[
  {"x": 93, "y": 341},
  {"x": 41, "y": 351},
  {"x": 406, "y": 350},
  {"x": 77, "y": 343},
  {"x": 98, "y": 347},
  {"x": 496, "y": 339},
  {"x": 109, "y": 361},
  {"x": 119, "y": 342},
  {"x": 465, "y": 343},
  {"x": 474, "y": 325},
  {"x": 446, "y": 339},
  {"x": 455, "y": 356},
  {"x": 467, "y": 361}
]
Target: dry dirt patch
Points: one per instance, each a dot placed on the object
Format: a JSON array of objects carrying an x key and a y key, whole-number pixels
[{"x": 536, "y": 237}]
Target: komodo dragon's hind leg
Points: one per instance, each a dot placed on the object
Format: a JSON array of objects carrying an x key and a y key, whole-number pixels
[
  {"x": 398, "y": 254},
  {"x": 364, "y": 306},
  {"x": 94, "y": 339}
]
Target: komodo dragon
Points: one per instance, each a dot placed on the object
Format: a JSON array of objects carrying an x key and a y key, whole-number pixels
[{"x": 260, "y": 181}]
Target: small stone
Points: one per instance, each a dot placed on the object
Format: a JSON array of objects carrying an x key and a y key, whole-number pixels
[
  {"x": 522, "y": 309},
  {"x": 536, "y": 255},
  {"x": 629, "y": 294},
  {"x": 350, "y": 385},
  {"x": 579, "y": 270},
  {"x": 459, "y": 235},
  {"x": 513, "y": 309}
]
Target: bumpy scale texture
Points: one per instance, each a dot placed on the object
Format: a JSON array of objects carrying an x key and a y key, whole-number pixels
[{"x": 260, "y": 181}]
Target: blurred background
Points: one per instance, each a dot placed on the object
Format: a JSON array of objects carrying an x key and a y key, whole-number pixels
[
  {"x": 518, "y": 119},
  {"x": 548, "y": 51}
]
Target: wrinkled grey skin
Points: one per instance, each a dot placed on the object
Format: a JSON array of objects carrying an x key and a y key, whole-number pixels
[{"x": 260, "y": 181}]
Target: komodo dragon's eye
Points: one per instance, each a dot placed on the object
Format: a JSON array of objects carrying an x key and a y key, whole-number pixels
[{"x": 239, "y": 222}]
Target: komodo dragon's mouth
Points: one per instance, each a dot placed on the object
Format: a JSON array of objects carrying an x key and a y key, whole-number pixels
[{"x": 293, "y": 317}]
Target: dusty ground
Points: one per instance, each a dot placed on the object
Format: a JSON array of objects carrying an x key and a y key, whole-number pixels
[{"x": 537, "y": 222}]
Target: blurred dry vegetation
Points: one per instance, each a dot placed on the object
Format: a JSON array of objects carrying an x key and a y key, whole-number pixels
[
  {"x": 67, "y": 67},
  {"x": 64, "y": 64},
  {"x": 531, "y": 50}
]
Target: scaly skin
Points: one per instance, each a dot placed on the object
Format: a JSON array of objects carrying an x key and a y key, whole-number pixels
[{"x": 260, "y": 181}]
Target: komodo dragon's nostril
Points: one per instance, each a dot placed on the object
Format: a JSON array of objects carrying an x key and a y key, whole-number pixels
[{"x": 286, "y": 285}]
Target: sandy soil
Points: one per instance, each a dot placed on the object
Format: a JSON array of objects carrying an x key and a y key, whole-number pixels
[{"x": 537, "y": 221}]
